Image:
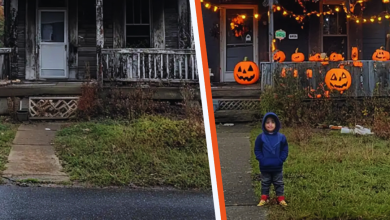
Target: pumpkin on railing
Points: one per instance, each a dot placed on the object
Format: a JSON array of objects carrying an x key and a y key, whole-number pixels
[
  {"x": 381, "y": 55},
  {"x": 297, "y": 57}
]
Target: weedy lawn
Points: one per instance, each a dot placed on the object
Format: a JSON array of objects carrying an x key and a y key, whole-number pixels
[
  {"x": 151, "y": 151},
  {"x": 332, "y": 176}
]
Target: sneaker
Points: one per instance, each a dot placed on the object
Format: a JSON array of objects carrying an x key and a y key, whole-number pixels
[
  {"x": 283, "y": 203},
  {"x": 263, "y": 202}
]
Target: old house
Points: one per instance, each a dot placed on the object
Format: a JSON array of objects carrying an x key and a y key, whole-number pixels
[
  {"x": 53, "y": 46},
  {"x": 256, "y": 29}
]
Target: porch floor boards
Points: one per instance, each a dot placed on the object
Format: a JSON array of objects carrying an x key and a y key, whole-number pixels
[{"x": 74, "y": 89}]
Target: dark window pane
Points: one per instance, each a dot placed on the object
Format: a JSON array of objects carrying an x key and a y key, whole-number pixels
[
  {"x": 335, "y": 45},
  {"x": 145, "y": 11},
  {"x": 138, "y": 30},
  {"x": 137, "y": 11},
  {"x": 52, "y": 3},
  {"x": 52, "y": 27},
  {"x": 335, "y": 23},
  {"x": 237, "y": 46},
  {"x": 129, "y": 11},
  {"x": 137, "y": 42}
]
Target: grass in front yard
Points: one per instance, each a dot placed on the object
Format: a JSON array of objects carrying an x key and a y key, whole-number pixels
[
  {"x": 151, "y": 151},
  {"x": 333, "y": 176},
  {"x": 7, "y": 135}
]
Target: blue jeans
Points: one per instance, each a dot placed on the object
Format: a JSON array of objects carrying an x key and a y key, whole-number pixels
[{"x": 275, "y": 178}]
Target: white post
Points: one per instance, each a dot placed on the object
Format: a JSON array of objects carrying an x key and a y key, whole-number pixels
[{"x": 99, "y": 40}]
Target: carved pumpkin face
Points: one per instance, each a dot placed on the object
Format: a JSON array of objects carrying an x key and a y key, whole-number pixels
[
  {"x": 297, "y": 57},
  {"x": 246, "y": 72},
  {"x": 336, "y": 57},
  {"x": 309, "y": 73},
  {"x": 279, "y": 56},
  {"x": 381, "y": 55},
  {"x": 355, "y": 53},
  {"x": 338, "y": 79},
  {"x": 315, "y": 57}
]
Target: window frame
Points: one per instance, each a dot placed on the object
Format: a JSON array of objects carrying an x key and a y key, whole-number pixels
[
  {"x": 338, "y": 3},
  {"x": 135, "y": 24}
]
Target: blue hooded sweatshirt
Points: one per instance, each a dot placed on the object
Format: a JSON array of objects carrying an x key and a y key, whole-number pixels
[{"x": 271, "y": 149}]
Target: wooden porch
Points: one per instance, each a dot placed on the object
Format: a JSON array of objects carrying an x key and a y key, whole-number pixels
[
  {"x": 150, "y": 64},
  {"x": 372, "y": 75}
]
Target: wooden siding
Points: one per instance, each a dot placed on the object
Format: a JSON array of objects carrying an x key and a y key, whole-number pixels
[
  {"x": 171, "y": 15},
  {"x": 212, "y": 42}
]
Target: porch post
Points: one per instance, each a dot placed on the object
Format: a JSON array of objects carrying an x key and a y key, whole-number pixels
[
  {"x": 13, "y": 38},
  {"x": 99, "y": 40},
  {"x": 183, "y": 23},
  {"x": 192, "y": 35},
  {"x": 270, "y": 28}
]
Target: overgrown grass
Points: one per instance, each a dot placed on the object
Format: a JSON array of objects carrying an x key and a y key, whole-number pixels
[
  {"x": 7, "y": 135},
  {"x": 151, "y": 151},
  {"x": 333, "y": 176}
]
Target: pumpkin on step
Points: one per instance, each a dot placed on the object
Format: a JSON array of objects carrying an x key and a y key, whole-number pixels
[
  {"x": 297, "y": 57},
  {"x": 381, "y": 55},
  {"x": 338, "y": 79},
  {"x": 246, "y": 72},
  {"x": 279, "y": 56}
]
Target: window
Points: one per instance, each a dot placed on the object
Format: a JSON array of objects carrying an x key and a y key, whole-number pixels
[
  {"x": 335, "y": 30},
  {"x": 51, "y": 3},
  {"x": 138, "y": 23}
]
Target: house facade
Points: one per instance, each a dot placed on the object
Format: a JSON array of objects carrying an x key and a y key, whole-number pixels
[
  {"x": 327, "y": 27},
  {"x": 52, "y": 47},
  {"x": 72, "y": 40}
]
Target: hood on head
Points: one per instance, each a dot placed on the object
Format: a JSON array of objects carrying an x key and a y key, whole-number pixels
[{"x": 277, "y": 122}]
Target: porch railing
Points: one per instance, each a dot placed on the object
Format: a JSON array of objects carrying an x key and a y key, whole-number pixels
[
  {"x": 149, "y": 65},
  {"x": 5, "y": 62},
  {"x": 373, "y": 75}
]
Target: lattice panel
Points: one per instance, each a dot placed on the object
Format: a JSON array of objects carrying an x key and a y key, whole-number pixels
[
  {"x": 238, "y": 104},
  {"x": 53, "y": 107}
]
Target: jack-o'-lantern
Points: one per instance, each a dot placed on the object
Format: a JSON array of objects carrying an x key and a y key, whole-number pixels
[
  {"x": 324, "y": 63},
  {"x": 381, "y": 55},
  {"x": 315, "y": 58},
  {"x": 336, "y": 57},
  {"x": 338, "y": 79},
  {"x": 295, "y": 73},
  {"x": 309, "y": 73},
  {"x": 283, "y": 74},
  {"x": 246, "y": 72},
  {"x": 297, "y": 57},
  {"x": 279, "y": 56},
  {"x": 355, "y": 53}
]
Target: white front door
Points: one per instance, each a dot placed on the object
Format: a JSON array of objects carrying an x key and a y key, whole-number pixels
[
  {"x": 236, "y": 45},
  {"x": 53, "y": 44}
]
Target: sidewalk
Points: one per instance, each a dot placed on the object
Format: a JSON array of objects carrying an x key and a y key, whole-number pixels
[
  {"x": 33, "y": 156},
  {"x": 235, "y": 153}
]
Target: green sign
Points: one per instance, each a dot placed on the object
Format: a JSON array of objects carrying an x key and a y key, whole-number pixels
[{"x": 280, "y": 34}]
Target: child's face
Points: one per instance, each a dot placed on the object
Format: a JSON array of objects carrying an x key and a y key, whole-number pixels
[{"x": 270, "y": 124}]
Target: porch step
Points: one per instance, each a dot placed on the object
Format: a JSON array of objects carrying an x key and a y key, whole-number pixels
[{"x": 236, "y": 110}]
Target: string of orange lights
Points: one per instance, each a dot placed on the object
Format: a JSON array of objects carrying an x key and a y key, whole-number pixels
[{"x": 300, "y": 18}]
